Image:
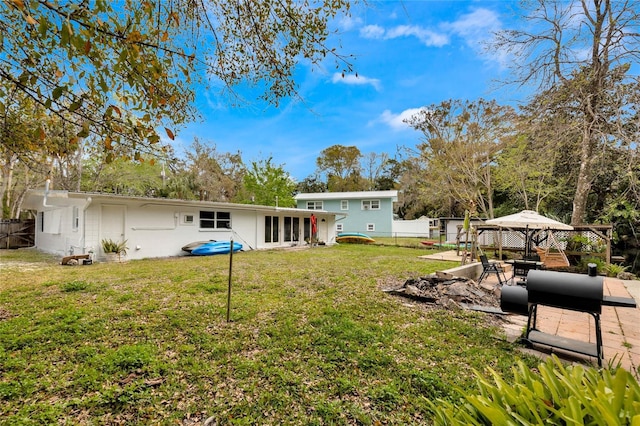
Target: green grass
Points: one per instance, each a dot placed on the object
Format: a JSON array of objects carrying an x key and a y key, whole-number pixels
[{"x": 312, "y": 340}]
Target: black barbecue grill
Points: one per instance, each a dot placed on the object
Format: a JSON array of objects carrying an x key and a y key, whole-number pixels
[{"x": 576, "y": 292}]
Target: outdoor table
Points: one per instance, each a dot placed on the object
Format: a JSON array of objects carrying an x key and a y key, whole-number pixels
[{"x": 522, "y": 267}]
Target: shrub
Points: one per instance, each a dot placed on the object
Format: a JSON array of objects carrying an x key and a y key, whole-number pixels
[
  {"x": 74, "y": 286},
  {"x": 110, "y": 246},
  {"x": 555, "y": 394},
  {"x": 583, "y": 266},
  {"x": 613, "y": 269}
]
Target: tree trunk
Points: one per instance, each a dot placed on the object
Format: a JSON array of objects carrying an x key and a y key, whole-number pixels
[
  {"x": 583, "y": 187},
  {"x": 7, "y": 182},
  {"x": 592, "y": 110},
  {"x": 585, "y": 176}
]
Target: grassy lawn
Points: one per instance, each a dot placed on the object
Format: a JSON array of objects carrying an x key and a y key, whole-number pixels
[{"x": 312, "y": 340}]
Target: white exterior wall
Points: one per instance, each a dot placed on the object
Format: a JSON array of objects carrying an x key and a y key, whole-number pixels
[
  {"x": 157, "y": 230},
  {"x": 59, "y": 236},
  {"x": 154, "y": 227},
  {"x": 48, "y": 238}
]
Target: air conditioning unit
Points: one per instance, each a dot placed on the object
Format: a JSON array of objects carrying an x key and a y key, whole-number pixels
[{"x": 365, "y": 207}]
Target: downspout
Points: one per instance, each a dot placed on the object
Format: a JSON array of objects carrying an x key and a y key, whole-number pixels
[
  {"x": 84, "y": 227},
  {"x": 46, "y": 193}
]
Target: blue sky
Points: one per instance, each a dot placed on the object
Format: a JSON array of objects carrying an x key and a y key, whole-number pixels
[{"x": 409, "y": 55}]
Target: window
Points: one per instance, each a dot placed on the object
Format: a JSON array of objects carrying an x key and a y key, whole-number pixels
[
  {"x": 215, "y": 220},
  {"x": 371, "y": 227},
  {"x": 75, "y": 219},
  {"x": 314, "y": 205},
  {"x": 370, "y": 204},
  {"x": 339, "y": 227},
  {"x": 344, "y": 205},
  {"x": 223, "y": 220}
]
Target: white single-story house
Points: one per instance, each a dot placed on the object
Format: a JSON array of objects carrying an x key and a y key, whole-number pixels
[
  {"x": 369, "y": 212},
  {"x": 76, "y": 223}
]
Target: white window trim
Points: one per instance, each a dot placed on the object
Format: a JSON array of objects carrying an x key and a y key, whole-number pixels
[
  {"x": 216, "y": 220},
  {"x": 344, "y": 204},
  {"x": 371, "y": 227},
  {"x": 314, "y": 205},
  {"x": 368, "y": 205},
  {"x": 185, "y": 219},
  {"x": 75, "y": 219},
  {"x": 339, "y": 227}
]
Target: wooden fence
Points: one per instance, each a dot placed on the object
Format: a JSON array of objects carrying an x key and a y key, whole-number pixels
[{"x": 16, "y": 233}]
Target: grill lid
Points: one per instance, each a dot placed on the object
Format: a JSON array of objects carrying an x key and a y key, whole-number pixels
[{"x": 566, "y": 290}]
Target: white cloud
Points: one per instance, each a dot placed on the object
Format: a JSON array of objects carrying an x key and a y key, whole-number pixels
[
  {"x": 352, "y": 79},
  {"x": 476, "y": 25},
  {"x": 347, "y": 23},
  {"x": 372, "y": 31},
  {"x": 426, "y": 36},
  {"x": 397, "y": 121},
  {"x": 476, "y": 29}
]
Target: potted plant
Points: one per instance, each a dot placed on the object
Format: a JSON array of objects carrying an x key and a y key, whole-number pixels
[{"x": 114, "y": 251}]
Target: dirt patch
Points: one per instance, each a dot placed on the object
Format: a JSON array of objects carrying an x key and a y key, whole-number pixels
[
  {"x": 4, "y": 314},
  {"x": 13, "y": 265}
]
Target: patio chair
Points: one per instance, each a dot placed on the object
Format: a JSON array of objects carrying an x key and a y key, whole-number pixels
[{"x": 491, "y": 268}]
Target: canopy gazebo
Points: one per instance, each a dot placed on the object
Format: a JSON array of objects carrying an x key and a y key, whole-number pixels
[{"x": 529, "y": 220}]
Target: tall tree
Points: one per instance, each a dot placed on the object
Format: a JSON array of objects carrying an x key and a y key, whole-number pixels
[
  {"x": 33, "y": 147},
  {"x": 216, "y": 176},
  {"x": 532, "y": 173},
  {"x": 15, "y": 143},
  {"x": 374, "y": 167},
  {"x": 460, "y": 145},
  {"x": 389, "y": 176},
  {"x": 142, "y": 178},
  {"x": 268, "y": 185},
  {"x": 312, "y": 183},
  {"x": 420, "y": 196},
  {"x": 578, "y": 52},
  {"x": 342, "y": 167},
  {"x": 122, "y": 70}
]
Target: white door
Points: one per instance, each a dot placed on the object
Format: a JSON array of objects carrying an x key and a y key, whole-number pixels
[{"x": 112, "y": 224}]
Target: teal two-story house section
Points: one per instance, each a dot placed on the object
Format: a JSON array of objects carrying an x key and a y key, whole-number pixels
[{"x": 368, "y": 212}]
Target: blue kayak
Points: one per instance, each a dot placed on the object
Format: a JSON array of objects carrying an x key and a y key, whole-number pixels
[{"x": 215, "y": 247}]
